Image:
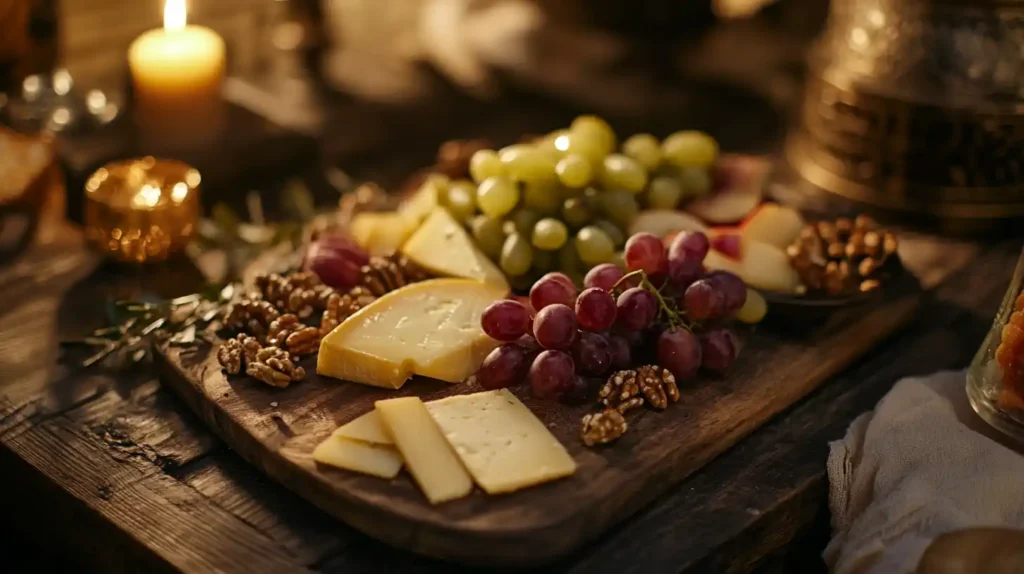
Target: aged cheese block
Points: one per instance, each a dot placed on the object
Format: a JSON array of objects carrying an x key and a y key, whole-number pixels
[
  {"x": 382, "y": 233},
  {"x": 431, "y": 328},
  {"x": 366, "y": 428},
  {"x": 427, "y": 454},
  {"x": 442, "y": 245},
  {"x": 502, "y": 444},
  {"x": 375, "y": 459}
]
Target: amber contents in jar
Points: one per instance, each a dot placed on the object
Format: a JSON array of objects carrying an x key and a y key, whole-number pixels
[
  {"x": 142, "y": 210},
  {"x": 1010, "y": 353}
]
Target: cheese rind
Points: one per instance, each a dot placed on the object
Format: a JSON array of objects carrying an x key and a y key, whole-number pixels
[
  {"x": 429, "y": 457},
  {"x": 443, "y": 246},
  {"x": 431, "y": 328},
  {"x": 373, "y": 459},
  {"x": 366, "y": 428},
  {"x": 502, "y": 444}
]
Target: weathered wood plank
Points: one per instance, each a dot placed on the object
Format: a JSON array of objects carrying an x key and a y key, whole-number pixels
[{"x": 172, "y": 521}]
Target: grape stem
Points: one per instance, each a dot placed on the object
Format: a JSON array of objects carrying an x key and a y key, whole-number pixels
[{"x": 672, "y": 316}]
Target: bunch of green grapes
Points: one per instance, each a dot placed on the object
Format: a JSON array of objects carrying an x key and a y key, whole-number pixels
[{"x": 564, "y": 202}]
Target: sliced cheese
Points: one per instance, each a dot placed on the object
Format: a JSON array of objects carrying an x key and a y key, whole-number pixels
[
  {"x": 502, "y": 444},
  {"x": 375, "y": 459},
  {"x": 366, "y": 428},
  {"x": 442, "y": 245},
  {"x": 431, "y": 328},
  {"x": 382, "y": 233},
  {"x": 428, "y": 455}
]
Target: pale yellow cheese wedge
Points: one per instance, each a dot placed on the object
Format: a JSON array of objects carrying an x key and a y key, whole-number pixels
[
  {"x": 427, "y": 454},
  {"x": 442, "y": 245},
  {"x": 374, "y": 459},
  {"x": 366, "y": 428},
  {"x": 502, "y": 444},
  {"x": 431, "y": 328},
  {"x": 382, "y": 233},
  {"x": 418, "y": 206}
]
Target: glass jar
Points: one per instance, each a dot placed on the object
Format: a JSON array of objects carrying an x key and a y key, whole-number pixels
[{"x": 995, "y": 392}]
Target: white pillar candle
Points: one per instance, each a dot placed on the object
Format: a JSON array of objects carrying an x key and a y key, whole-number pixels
[{"x": 177, "y": 73}]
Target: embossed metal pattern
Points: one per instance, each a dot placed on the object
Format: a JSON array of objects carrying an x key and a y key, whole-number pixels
[{"x": 918, "y": 106}]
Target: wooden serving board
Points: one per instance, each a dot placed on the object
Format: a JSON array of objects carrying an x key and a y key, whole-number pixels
[{"x": 277, "y": 429}]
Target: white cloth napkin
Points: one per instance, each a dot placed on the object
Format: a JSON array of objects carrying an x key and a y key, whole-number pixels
[{"x": 921, "y": 464}]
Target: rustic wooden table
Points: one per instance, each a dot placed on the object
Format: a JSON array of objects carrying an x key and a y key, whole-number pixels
[{"x": 112, "y": 472}]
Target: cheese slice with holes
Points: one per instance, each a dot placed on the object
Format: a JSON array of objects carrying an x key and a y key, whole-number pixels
[
  {"x": 431, "y": 328},
  {"x": 374, "y": 459},
  {"x": 501, "y": 443},
  {"x": 443, "y": 246},
  {"x": 366, "y": 428},
  {"x": 429, "y": 457}
]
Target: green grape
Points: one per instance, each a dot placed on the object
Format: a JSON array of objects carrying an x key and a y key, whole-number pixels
[
  {"x": 690, "y": 149},
  {"x": 569, "y": 259},
  {"x": 577, "y": 212},
  {"x": 544, "y": 261},
  {"x": 695, "y": 181},
  {"x": 619, "y": 259},
  {"x": 592, "y": 194},
  {"x": 574, "y": 170},
  {"x": 496, "y": 196},
  {"x": 542, "y": 197},
  {"x": 594, "y": 245},
  {"x": 586, "y": 146},
  {"x": 516, "y": 255},
  {"x": 613, "y": 231},
  {"x": 664, "y": 193},
  {"x": 525, "y": 162},
  {"x": 549, "y": 234},
  {"x": 623, "y": 172},
  {"x": 461, "y": 199},
  {"x": 645, "y": 149},
  {"x": 523, "y": 221},
  {"x": 485, "y": 163},
  {"x": 595, "y": 128},
  {"x": 619, "y": 206},
  {"x": 488, "y": 234}
]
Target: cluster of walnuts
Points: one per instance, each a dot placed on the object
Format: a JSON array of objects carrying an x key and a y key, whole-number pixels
[
  {"x": 287, "y": 315},
  {"x": 623, "y": 392}
]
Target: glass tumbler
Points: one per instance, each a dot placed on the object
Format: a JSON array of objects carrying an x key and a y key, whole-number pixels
[{"x": 995, "y": 379}]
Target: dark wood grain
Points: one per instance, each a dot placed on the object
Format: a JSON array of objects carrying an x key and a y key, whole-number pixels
[{"x": 276, "y": 430}]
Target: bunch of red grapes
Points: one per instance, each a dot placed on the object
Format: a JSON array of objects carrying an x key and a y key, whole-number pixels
[{"x": 664, "y": 304}]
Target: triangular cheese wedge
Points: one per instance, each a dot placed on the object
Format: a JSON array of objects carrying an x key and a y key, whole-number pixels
[
  {"x": 442, "y": 246},
  {"x": 431, "y": 328}
]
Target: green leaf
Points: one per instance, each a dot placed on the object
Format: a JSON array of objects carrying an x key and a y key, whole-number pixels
[{"x": 297, "y": 201}]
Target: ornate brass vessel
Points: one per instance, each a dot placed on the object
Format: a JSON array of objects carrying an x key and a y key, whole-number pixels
[{"x": 917, "y": 107}]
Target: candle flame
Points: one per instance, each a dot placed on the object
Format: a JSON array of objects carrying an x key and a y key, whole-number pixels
[{"x": 174, "y": 14}]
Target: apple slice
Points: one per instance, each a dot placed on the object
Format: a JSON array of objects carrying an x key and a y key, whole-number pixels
[
  {"x": 773, "y": 224},
  {"x": 661, "y": 222},
  {"x": 737, "y": 191},
  {"x": 728, "y": 241},
  {"x": 761, "y": 266}
]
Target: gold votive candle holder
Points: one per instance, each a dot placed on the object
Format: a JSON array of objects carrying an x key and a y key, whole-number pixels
[{"x": 142, "y": 210}]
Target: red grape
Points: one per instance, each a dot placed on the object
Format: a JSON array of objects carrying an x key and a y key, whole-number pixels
[
  {"x": 679, "y": 351},
  {"x": 719, "y": 348},
  {"x": 591, "y": 354},
  {"x": 505, "y": 366},
  {"x": 551, "y": 289},
  {"x": 691, "y": 243},
  {"x": 336, "y": 260},
  {"x": 505, "y": 320},
  {"x": 552, "y": 374},
  {"x": 528, "y": 343},
  {"x": 603, "y": 276},
  {"x": 731, "y": 287},
  {"x": 578, "y": 393},
  {"x": 555, "y": 327},
  {"x": 619, "y": 351},
  {"x": 704, "y": 301},
  {"x": 637, "y": 308},
  {"x": 685, "y": 258},
  {"x": 645, "y": 251},
  {"x": 595, "y": 309}
]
